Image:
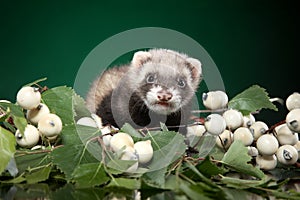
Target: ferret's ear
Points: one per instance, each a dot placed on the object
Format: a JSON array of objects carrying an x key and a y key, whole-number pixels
[
  {"x": 195, "y": 67},
  {"x": 140, "y": 58}
]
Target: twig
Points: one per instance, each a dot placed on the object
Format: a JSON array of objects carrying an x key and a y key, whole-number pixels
[
  {"x": 22, "y": 153},
  {"x": 177, "y": 126},
  {"x": 272, "y": 128},
  {"x": 210, "y": 111}
]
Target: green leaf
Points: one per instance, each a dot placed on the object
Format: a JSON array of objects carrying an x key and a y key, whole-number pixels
[
  {"x": 27, "y": 159},
  {"x": 33, "y": 176},
  {"x": 155, "y": 178},
  {"x": 118, "y": 166},
  {"x": 60, "y": 102},
  {"x": 16, "y": 113},
  {"x": 80, "y": 107},
  {"x": 7, "y": 147},
  {"x": 79, "y": 148},
  {"x": 90, "y": 175},
  {"x": 242, "y": 183},
  {"x": 250, "y": 100},
  {"x": 206, "y": 144},
  {"x": 127, "y": 128},
  {"x": 168, "y": 146},
  {"x": 172, "y": 182},
  {"x": 291, "y": 195},
  {"x": 18, "y": 179},
  {"x": 38, "y": 175},
  {"x": 237, "y": 158},
  {"x": 193, "y": 192},
  {"x": 208, "y": 169},
  {"x": 205, "y": 168},
  {"x": 203, "y": 178},
  {"x": 128, "y": 183},
  {"x": 233, "y": 194}
]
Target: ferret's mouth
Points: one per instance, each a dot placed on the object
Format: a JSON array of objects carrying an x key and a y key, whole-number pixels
[
  {"x": 162, "y": 107},
  {"x": 162, "y": 103}
]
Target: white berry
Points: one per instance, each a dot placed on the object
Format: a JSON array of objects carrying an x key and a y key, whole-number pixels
[
  {"x": 50, "y": 125},
  {"x": 248, "y": 120},
  {"x": 252, "y": 151},
  {"x": 130, "y": 154},
  {"x": 293, "y": 101},
  {"x": 87, "y": 121},
  {"x": 286, "y": 136},
  {"x": 287, "y": 154},
  {"x": 28, "y": 97},
  {"x": 244, "y": 135},
  {"x": 233, "y": 118},
  {"x": 297, "y": 147},
  {"x": 267, "y": 144},
  {"x": 215, "y": 124},
  {"x": 225, "y": 139},
  {"x": 105, "y": 134},
  {"x": 119, "y": 140},
  {"x": 215, "y": 100},
  {"x": 266, "y": 162},
  {"x": 293, "y": 120},
  {"x": 34, "y": 115},
  {"x": 30, "y": 137},
  {"x": 195, "y": 130},
  {"x": 144, "y": 151},
  {"x": 258, "y": 128}
]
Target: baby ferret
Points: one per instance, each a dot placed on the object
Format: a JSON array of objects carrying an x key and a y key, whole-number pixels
[{"x": 157, "y": 86}]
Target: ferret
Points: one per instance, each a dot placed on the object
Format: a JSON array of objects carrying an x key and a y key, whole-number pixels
[{"x": 156, "y": 86}]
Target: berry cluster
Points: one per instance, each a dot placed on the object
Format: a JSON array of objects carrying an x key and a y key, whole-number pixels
[
  {"x": 121, "y": 143},
  {"x": 42, "y": 123},
  {"x": 267, "y": 145}
]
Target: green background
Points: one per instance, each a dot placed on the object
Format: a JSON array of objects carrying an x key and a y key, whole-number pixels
[{"x": 251, "y": 42}]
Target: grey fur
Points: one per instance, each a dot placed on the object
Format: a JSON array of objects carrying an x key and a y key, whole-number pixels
[{"x": 130, "y": 93}]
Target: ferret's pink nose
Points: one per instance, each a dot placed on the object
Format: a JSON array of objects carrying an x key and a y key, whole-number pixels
[{"x": 164, "y": 96}]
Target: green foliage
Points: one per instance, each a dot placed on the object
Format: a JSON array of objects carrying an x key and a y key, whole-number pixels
[
  {"x": 60, "y": 102},
  {"x": 16, "y": 113},
  {"x": 39, "y": 175},
  {"x": 89, "y": 170},
  {"x": 7, "y": 148},
  {"x": 251, "y": 100},
  {"x": 74, "y": 153},
  {"x": 237, "y": 158},
  {"x": 128, "y": 183},
  {"x": 90, "y": 175}
]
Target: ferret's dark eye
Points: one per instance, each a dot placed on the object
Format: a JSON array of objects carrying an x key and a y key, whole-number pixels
[
  {"x": 150, "y": 78},
  {"x": 181, "y": 83}
]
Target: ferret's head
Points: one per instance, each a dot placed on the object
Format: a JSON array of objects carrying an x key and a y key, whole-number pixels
[{"x": 164, "y": 79}]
